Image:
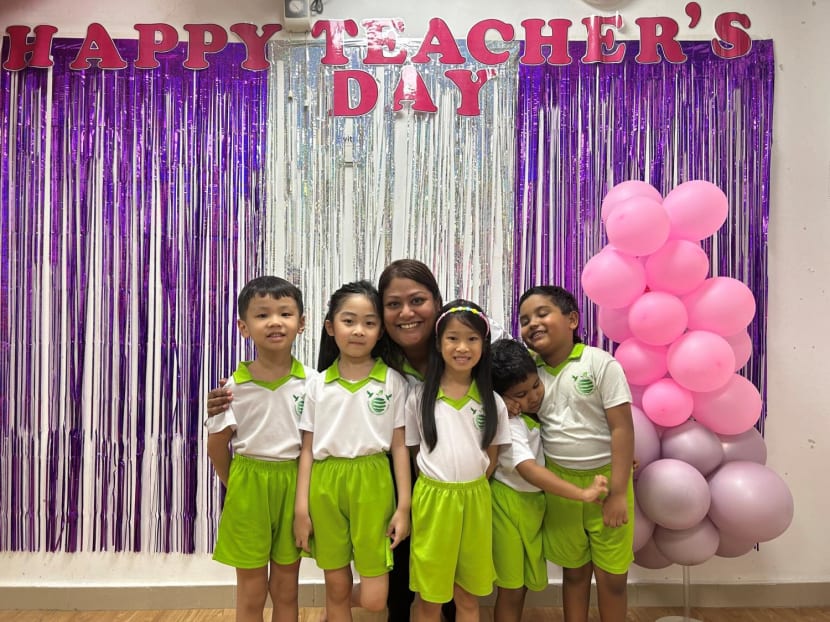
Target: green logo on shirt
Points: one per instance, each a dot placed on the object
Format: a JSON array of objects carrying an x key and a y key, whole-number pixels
[
  {"x": 378, "y": 402},
  {"x": 478, "y": 418},
  {"x": 584, "y": 383},
  {"x": 299, "y": 404}
]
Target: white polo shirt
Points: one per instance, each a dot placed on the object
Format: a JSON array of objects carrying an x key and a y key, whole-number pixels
[{"x": 526, "y": 445}]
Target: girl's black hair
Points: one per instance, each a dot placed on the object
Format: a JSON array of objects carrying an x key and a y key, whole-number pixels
[
  {"x": 459, "y": 309},
  {"x": 560, "y": 297},
  {"x": 328, "y": 346}
]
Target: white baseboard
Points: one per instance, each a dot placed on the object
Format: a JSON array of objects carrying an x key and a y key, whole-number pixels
[{"x": 748, "y": 595}]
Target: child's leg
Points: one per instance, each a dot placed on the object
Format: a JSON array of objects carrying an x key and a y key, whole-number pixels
[
  {"x": 371, "y": 593},
  {"x": 251, "y": 592},
  {"x": 427, "y": 611},
  {"x": 576, "y": 592},
  {"x": 466, "y": 605},
  {"x": 282, "y": 586},
  {"x": 612, "y": 595},
  {"x": 509, "y": 604},
  {"x": 339, "y": 594}
]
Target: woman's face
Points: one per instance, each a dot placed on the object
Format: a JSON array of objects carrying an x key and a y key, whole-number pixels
[{"x": 409, "y": 312}]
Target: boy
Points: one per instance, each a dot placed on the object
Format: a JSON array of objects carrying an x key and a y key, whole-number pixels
[
  {"x": 586, "y": 430},
  {"x": 256, "y": 528},
  {"x": 520, "y": 481}
]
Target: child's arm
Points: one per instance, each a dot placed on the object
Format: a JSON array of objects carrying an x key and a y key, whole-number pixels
[
  {"x": 399, "y": 525},
  {"x": 615, "y": 507},
  {"x": 220, "y": 453},
  {"x": 493, "y": 454},
  {"x": 542, "y": 478},
  {"x": 302, "y": 519}
]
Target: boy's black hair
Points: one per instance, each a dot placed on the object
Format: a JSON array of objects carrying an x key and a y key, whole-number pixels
[
  {"x": 267, "y": 286},
  {"x": 512, "y": 364},
  {"x": 328, "y": 346},
  {"x": 481, "y": 372},
  {"x": 560, "y": 297}
]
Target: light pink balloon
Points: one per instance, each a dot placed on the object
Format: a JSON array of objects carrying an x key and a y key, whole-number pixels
[
  {"x": 742, "y": 347},
  {"x": 701, "y": 361},
  {"x": 750, "y": 500},
  {"x": 649, "y": 556},
  {"x": 749, "y": 445},
  {"x": 732, "y": 409},
  {"x": 614, "y": 323},
  {"x": 672, "y": 493},
  {"x": 688, "y": 547},
  {"x": 642, "y": 363},
  {"x": 657, "y": 318},
  {"x": 722, "y": 305},
  {"x": 678, "y": 267},
  {"x": 696, "y": 208},
  {"x": 625, "y": 190},
  {"x": 666, "y": 403},
  {"x": 643, "y": 528},
  {"x": 693, "y": 444},
  {"x": 733, "y": 546},
  {"x": 646, "y": 441},
  {"x": 613, "y": 279},
  {"x": 637, "y": 226}
]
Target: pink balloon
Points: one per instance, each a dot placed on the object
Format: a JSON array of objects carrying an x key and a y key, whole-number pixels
[
  {"x": 701, "y": 361},
  {"x": 749, "y": 445},
  {"x": 642, "y": 363},
  {"x": 695, "y": 445},
  {"x": 667, "y": 403},
  {"x": 750, "y": 501},
  {"x": 688, "y": 547},
  {"x": 732, "y": 546},
  {"x": 643, "y": 528},
  {"x": 613, "y": 279},
  {"x": 626, "y": 190},
  {"x": 646, "y": 441},
  {"x": 657, "y": 318},
  {"x": 732, "y": 409},
  {"x": 637, "y": 394},
  {"x": 677, "y": 268},
  {"x": 722, "y": 305},
  {"x": 696, "y": 209},
  {"x": 614, "y": 323},
  {"x": 637, "y": 226},
  {"x": 742, "y": 347},
  {"x": 672, "y": 493},
  {"x": 649, "y": 556}
]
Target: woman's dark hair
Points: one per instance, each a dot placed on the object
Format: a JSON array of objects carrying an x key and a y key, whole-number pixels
[
  {"x": 473, "y": 316},
  {"x": 328, "y": 346},
  {"x": 560, "y": 297}
]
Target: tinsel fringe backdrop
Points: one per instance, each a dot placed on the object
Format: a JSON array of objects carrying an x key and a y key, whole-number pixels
[{"x": 135, "y": 204}]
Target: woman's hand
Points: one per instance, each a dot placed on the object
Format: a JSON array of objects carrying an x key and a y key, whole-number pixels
[{"x": 219, "y": 399}]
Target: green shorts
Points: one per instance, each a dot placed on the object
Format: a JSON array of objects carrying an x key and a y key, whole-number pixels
[
  {"x": 574, "y": 533},
  {"x": 351, "y": 501},
  {"x": 257, "y": 523},
  {"x": 517, "y": 538},
  {"x": 452, "y": 536}
]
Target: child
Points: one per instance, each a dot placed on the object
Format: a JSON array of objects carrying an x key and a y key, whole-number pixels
[
  {"x": 255, "y": 530},
  {"x": 519, "y": 481},
  {"x": 586, "y": 431},
  {"x": 458, "y": 424},
  {"x": 353, "y": 415}
]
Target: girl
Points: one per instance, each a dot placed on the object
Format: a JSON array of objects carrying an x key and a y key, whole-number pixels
[
  {"x": 456, "y": 423},
  {"x": 353, "y": 414}
]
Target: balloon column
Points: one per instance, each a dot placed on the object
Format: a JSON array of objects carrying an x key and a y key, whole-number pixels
[{"x": 702, "y": 487}]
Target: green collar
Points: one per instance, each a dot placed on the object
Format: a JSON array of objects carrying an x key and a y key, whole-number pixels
[
  {"x": 411, "y": 371},
  {"x": 378, "y": 373},
  {"x": 575, "y": 355},
  {"x": 243, "y": 375},
  {"x": 472, "y": 394},
  {"x": 531, "y": 422}
]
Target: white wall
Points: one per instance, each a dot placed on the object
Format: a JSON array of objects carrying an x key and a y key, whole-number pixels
[{"x": 798, "y": 424}]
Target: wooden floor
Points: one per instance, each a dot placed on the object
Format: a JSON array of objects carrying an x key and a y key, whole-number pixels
[{"x": 533, "y": 614}]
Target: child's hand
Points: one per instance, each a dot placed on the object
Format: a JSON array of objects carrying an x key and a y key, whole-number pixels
[
  {"x": 303, "y": 531},
  {"x": 596, "y": 491},
  {"x": 615, "y": 510},
  {"x": 398, "y": 527},
  {"x": 513, "y": 408},
  {"x": 219, "y": 399}
]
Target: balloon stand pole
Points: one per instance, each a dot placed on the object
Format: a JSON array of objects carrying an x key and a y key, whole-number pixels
[{"x": 686, "y": 617}]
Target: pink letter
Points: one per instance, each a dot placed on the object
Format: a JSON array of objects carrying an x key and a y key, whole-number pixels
[
  {"x": 334, "y": 29},
  {"x": 650, "y": 39},
  {"x": 367, "y": 90},
  {"x": 98, "y": 44},
  {"x": 255, "y": 44},
  {"x": 599, "y": 41},
  {"x": 148, "y": 46},
  {"x": 379, "y": 40},
  {"x": 734, "y": 42},
  {"x": 39, "y": 48},
  {"x": 535, "y": 40},
  {"x": 477, "y": 41},
  {"x": 439, "y": 40},
  {"x": 198, "y": 44},
  {"x": 469, "y": 88},
  {"x": 411, "y": 87}
]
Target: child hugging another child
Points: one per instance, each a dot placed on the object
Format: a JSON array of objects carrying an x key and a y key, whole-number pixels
[
  {"x": 353, "y": 414},
  {"x": 255, "y": 530}
]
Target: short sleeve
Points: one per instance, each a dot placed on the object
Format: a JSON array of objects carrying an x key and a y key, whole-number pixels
[
  {"x": 503, "y": 436},
  {"x": 306, "y": 423},
  {"x": 412, "y": 416}
]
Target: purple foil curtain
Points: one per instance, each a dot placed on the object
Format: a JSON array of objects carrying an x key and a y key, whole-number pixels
[
  {"x": 583, "y": 128},
  {"x": 131, "y": 208}
]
